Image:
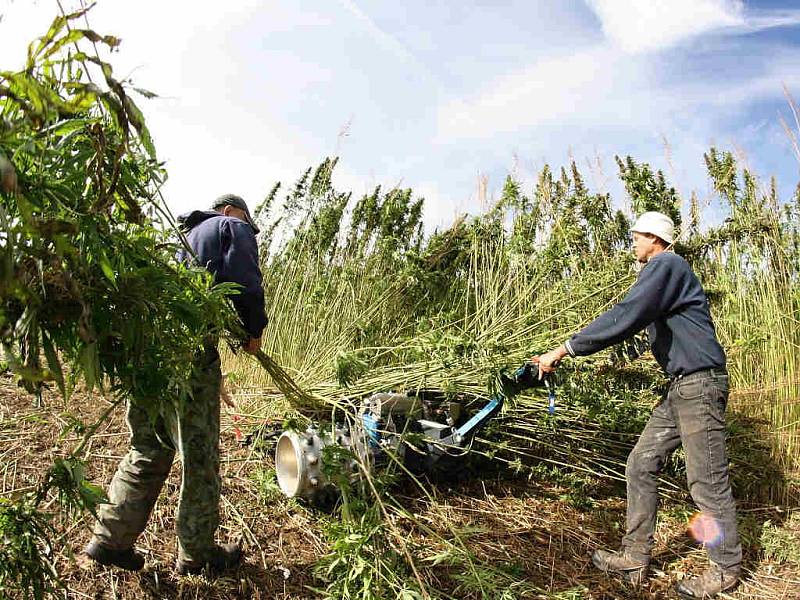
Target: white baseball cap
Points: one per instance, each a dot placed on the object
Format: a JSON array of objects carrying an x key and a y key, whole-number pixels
[{"x": 657, "y": 224}]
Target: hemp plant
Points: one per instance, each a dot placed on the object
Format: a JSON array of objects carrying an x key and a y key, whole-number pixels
[{"x": 91, "y": 294}]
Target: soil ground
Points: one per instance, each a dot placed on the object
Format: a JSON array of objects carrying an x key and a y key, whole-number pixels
[{"x": 537, "y": 530}]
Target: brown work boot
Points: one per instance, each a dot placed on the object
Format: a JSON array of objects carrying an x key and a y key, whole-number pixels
[
  {"x": 711, "y": 582},
  {"x": 128, "y": 559},
  {"x": 633, "y": 570},
  {"x": 222, "y": 558}
]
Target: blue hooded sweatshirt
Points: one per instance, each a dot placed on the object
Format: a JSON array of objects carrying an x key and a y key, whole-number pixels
[
  {"x": 227, "y": 247},
  {"x": 669, "y": 301}
]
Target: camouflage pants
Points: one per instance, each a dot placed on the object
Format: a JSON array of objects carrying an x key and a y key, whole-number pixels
[{"x": 194, "y": 433}]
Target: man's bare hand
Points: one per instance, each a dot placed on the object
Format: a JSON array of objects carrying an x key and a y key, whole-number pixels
[
  {"x": 549, "y": 360},
  {"x": 252, "y": 345}
]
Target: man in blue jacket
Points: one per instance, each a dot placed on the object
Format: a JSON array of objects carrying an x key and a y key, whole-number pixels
[
  {"x": 223, "y": 241},
  {"x": 670, "y": 303}
]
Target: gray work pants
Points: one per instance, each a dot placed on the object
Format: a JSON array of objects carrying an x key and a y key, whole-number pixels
[
  {"x": 194, "y": 432},
  {"x": 691, "y": 414}
]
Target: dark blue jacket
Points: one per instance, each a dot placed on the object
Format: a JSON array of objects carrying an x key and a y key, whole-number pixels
[
  {"x": 669, "y": 300},
  {"x": 227, "y": 247}
]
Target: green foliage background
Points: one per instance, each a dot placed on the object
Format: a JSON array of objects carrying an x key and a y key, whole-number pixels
[{"x": 90, "y": 292}]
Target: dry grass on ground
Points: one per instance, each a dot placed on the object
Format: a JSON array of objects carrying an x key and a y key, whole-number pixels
[{"x": 539, "y": 533}]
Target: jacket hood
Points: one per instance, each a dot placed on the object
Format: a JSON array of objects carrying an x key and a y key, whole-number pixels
[{"x": 192, "y": 219}]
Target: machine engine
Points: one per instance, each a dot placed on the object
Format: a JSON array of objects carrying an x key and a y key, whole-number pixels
[{"x": 440, "y": 428}]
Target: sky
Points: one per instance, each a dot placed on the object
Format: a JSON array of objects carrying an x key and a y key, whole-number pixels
[{"x": 439, "y": 95}]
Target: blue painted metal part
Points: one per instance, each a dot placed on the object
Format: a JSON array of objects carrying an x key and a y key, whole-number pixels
[
  {"x": 479, "y": 417},
  {"x": 524, "y": 378},
  {"x": 371, "y": 427}
]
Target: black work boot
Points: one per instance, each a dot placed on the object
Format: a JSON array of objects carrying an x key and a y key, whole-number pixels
[
  {"x": 711, "y": 582},
  {"x": 226, "y": 556},
  {"x": 633, "y": 570},
  {"x": 128, "y": 559}
]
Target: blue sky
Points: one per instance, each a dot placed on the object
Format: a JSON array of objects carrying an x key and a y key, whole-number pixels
[{"x": 436, "y": 95}]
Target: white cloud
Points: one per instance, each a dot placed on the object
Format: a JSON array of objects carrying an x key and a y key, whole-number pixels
[
  {"x": 383, "y": 39},
  {"x": 606, "y": 90},
  {"x": 758, "y": 21},
  {"x": 780, "y": 67},
  {"x": 215, "y": 122},
  {"x": 441, "y": 208},
  {"x": 617, "y": 85},
  {"x": 256, "y": 92},
  {"x": 591, "y": 83},
  {"x": 645, "y": 25}
]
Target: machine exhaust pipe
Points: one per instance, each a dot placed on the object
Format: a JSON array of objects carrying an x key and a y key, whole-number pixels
[{"x": 298, "y": 462}]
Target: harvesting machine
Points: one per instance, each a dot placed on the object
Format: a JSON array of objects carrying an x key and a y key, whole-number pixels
[{"x": 426, "y": 431}]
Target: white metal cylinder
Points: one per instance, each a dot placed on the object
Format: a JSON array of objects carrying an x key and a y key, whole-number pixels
[{"x": 297, "y": 463}]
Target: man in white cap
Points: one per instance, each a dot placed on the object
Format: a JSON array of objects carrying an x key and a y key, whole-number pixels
[{"x": 670, "y": 303}]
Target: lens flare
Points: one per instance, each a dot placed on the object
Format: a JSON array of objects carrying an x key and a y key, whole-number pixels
[{"x": 705, "y": 529}]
